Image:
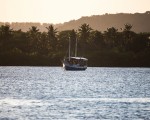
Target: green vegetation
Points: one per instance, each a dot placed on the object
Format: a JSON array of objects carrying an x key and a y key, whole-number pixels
[{"x": 109, "y": 48}]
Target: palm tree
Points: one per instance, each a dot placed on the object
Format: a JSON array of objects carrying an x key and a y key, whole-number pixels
[
  {"x": 5, "y": 37},
  {"x": 128, "y": 36},
  {"x": 33, "y": 31},
  {"x": 111, "y": 36},
  {"x": 63, "y": 40},
  {"x": 84, "y": 32},
  {"x": 52, "y": 37},
  {"x": 34, "y": 39},
  {"x": 128, "y": 27},
  {"x": 97, "y": 39},
  {"x": 84, "y": 35},
  {"x": 5, "y": 32}
]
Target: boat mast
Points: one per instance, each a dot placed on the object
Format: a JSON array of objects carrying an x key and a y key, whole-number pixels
[
  {"x": 76, "y": 48},
  {"x": 69, "y": 48}
]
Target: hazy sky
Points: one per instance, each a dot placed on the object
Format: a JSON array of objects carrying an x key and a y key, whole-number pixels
[{"x": 59, "y": 11}]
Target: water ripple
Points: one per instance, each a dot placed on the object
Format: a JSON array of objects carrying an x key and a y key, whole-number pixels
[{"x": 44, "y": 93}]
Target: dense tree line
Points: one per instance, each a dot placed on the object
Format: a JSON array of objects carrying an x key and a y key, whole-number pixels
[{"x": 108, "y": 48}]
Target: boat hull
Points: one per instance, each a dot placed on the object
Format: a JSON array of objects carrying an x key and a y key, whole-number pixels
[{"x": 74, "y": 68}]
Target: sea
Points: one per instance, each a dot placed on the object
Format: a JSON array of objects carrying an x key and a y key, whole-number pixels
[{"x": 51, "y": 93}]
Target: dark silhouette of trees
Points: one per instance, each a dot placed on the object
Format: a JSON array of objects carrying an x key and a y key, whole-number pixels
[
  {"x": 84, "y": 34},
  {"x": 34, "y": 39},
  {"x": 128, "y": 36},
  {"x": 73, "y": 39},
  {"x": 109, "y": 48},
  {"x": 5, "y": 32},
  {"x": 5, "y": 37},
  {"x": 97, "y": 40},
  {"x": 52, "y": 38},
  {"x": 127, "y": 27},
  {"x": 111, "y": 37},
  {"x": 140, "y": 42},
  {"x": 44, "y": 45},
  {"x": 20, "y": 41},
  {"x": 63, "y": 39}
]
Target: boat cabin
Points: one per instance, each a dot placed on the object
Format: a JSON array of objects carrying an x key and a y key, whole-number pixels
[{"x": 77, "y": 61}]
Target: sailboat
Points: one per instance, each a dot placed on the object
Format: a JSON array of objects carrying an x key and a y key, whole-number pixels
[{"x": 74, "y": 62}]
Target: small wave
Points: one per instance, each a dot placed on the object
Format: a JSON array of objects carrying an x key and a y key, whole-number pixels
[
  {"x": 17, "y": 102},
  {"x": 130, "y": 100}
]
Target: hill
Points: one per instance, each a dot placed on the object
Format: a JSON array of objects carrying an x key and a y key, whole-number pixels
[{"x": 139, "y": 21}]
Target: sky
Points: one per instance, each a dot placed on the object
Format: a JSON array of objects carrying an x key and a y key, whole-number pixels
[{"x": 60, "y": 11}]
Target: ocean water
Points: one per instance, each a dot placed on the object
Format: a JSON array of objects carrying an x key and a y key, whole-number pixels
[{"x": 47, "y": 93}]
